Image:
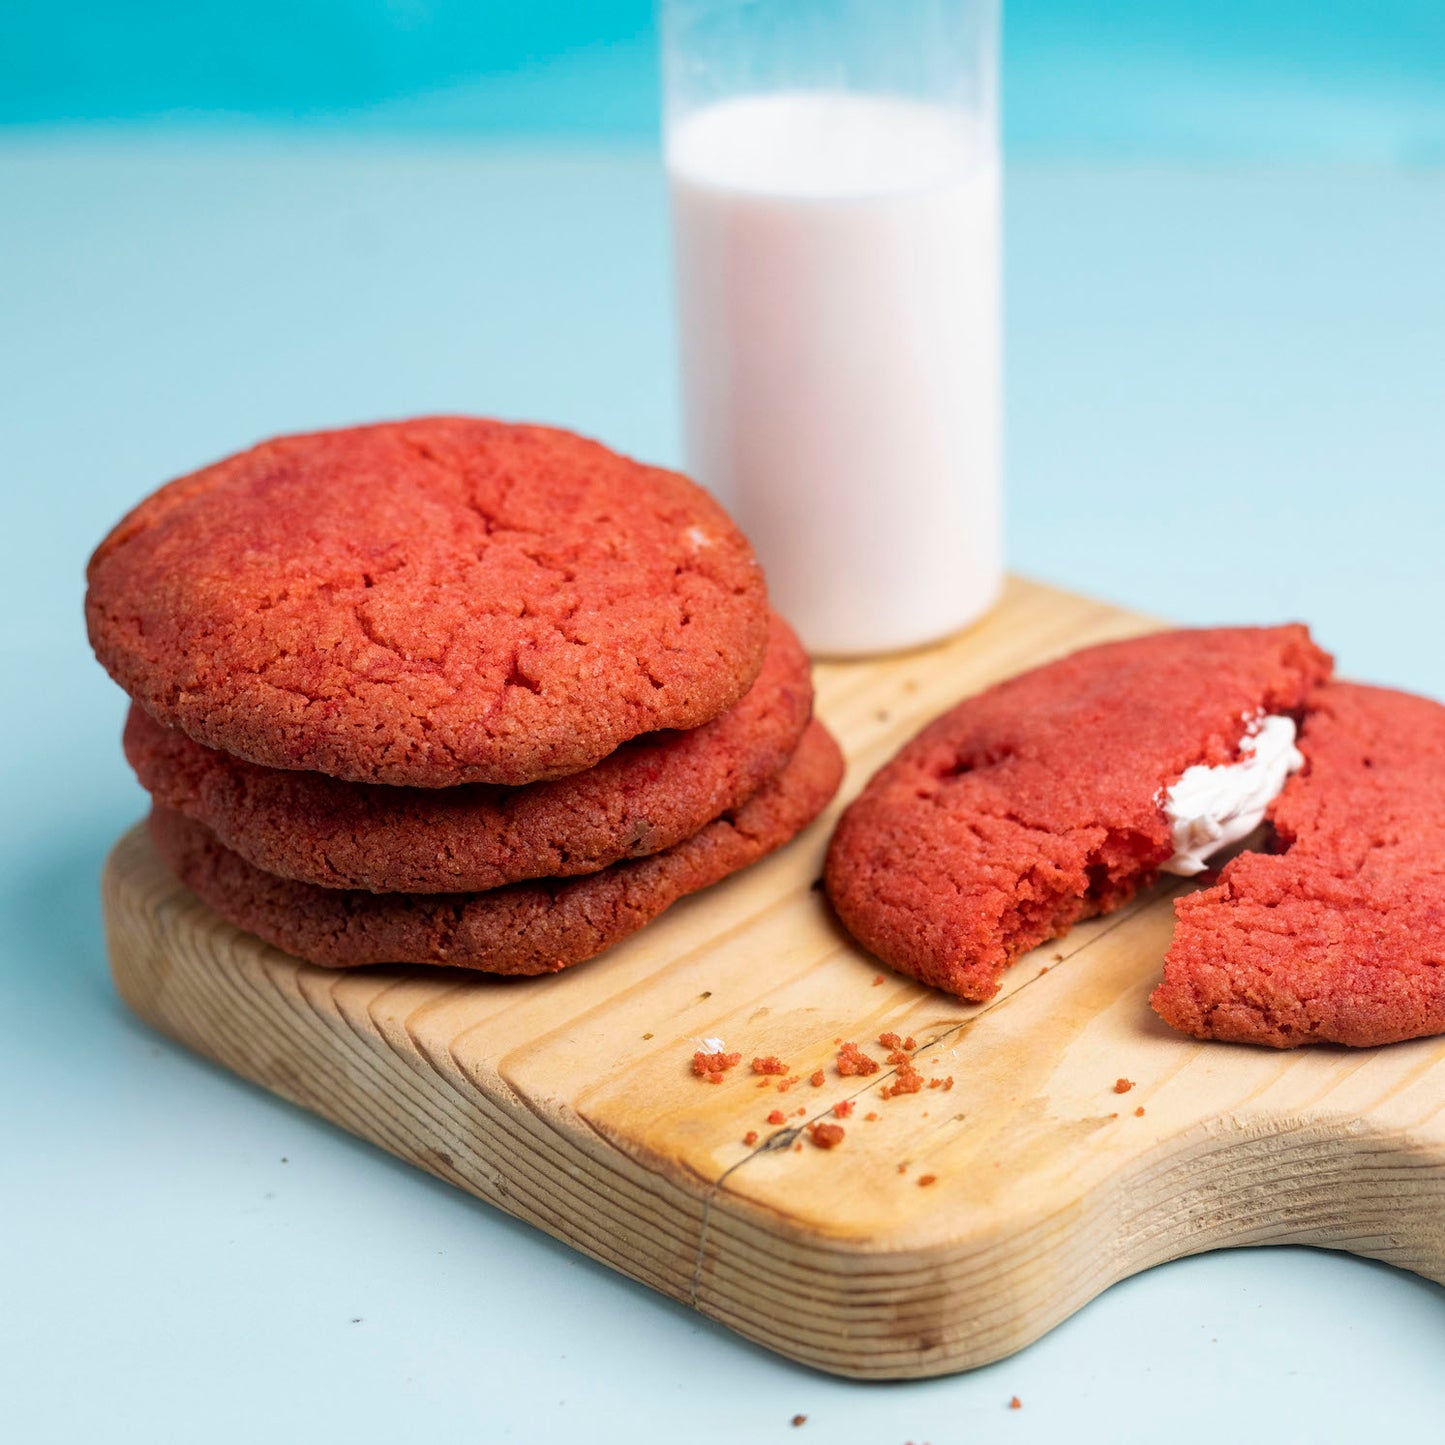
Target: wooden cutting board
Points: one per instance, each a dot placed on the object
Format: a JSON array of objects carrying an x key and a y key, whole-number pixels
[{"x": 569, "y": 1101}]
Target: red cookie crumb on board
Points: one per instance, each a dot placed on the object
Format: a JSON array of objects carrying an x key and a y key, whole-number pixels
[
  {"x": 877, "y": 979},
  {"x": 872, "y": 1116},
  {"x": 817, "y": 1078},
  {"x": 906, "y": 1081},
  {"x": 712, "y": 1066},
  {"x": 777, "y": 1117},
  {"x": 926, "y": 1179},
  {"x": 769, "y": 1065},
  {"x": 890, "y": 1040},
  {"x": 852, "y": 1060},
  {"x": 750, "y": 1138},
  {"x": 910, "y": 1042},
  {"x": 1139, "y": 1112},
  {"x": 826, "y": 1136},
  {"x": 1122, "y": 1086},
  {"x": 842, "y": 1108}
]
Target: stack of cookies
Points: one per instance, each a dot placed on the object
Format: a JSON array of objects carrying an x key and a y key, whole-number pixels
[{"x": 450, "y": 691}]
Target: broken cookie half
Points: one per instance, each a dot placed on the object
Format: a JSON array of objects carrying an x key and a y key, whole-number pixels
[{"x": 1339, "y": 937}]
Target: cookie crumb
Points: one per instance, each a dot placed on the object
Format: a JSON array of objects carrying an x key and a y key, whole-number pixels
[
  {"x": 842, "y": 1108},
  {"x": 817, "y": 1078},
  {"x": 711, "y": 1065},
  {"x": 800, "y": 1420},
  {"x": 1015, "y": 1403},
  {"x": 852, "y": 1060},
  {"x": 750, "y": 1138},
  {"x": 1139, "y": 1112},
  {"x": 777, "y": 1117},
  {"x": 826, "y": 1136},
  {"x": 769, "y": 1064},
  {"x": 906, "y": 1081},
  {"x": 926, "y": 1179},
  {"x": 872, "y": 1116},
  {"x": 1122, "y": 1086},
  {"x": 877, "y": 979}
]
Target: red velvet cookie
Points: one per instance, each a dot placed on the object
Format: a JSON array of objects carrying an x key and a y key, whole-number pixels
[
  {"x": 1341, "y": 937},
  {"x": 525, "y": 928},
  {"x": 1035, "y": 804},
  {"x": 651, "y": 793},
  {"x": 428, "y": 603}
]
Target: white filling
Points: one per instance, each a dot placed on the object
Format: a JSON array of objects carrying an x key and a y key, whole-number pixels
[
  {"x": 712, "y": 1046},
  {"x": 1210, "y": 808}
]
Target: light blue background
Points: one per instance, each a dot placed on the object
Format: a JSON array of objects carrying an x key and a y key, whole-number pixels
[{"x": 1226, "y": 376}]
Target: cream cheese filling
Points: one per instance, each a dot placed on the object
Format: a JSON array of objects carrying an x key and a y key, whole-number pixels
[{"x": 1210, "y": 808}]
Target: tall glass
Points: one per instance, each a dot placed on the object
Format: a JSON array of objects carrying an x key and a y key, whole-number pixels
[{"x": 834, "y": 172}]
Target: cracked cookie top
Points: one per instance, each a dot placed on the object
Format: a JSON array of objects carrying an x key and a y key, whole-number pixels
[{"x": 429, "y": 602}]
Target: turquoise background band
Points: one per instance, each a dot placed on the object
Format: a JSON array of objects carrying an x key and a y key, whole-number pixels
[{"x": 1347, "y": 79}]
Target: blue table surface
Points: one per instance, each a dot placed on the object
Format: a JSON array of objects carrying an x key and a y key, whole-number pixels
[{"x": 1226, "y": 402}]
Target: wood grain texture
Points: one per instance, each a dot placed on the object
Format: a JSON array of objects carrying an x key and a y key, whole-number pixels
[{"x": 569, "y": 1101}]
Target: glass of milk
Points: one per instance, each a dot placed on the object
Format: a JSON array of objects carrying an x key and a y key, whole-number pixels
[{"x": 834, "y": 172}]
